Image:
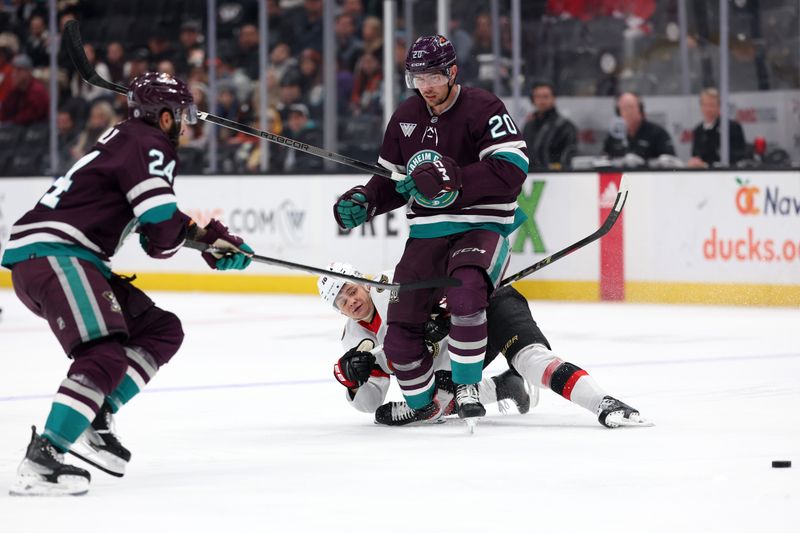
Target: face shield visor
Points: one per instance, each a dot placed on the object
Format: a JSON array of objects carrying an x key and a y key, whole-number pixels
[
  {"x": 423, "y": 80},
  {"x": 188, "y": 114}
]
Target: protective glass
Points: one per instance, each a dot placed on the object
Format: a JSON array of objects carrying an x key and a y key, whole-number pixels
[{"x": 426, "y": 79}]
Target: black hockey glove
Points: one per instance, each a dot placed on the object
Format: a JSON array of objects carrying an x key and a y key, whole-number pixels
[
  {"x": 438, "y": 326},
  {"x": 353, "y": 369}
]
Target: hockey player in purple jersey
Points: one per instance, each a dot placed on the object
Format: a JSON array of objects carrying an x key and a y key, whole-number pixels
[
  {"x": 460, "y": 162},
  {"x": 59, "y": 254}
]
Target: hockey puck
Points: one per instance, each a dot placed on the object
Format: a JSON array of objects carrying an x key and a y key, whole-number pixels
[{"x": 781, "y": 464}]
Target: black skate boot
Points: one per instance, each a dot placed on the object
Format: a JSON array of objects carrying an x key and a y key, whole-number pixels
[
  {"x": 400, "y": 414},
  {"x": 43, "y": 472},
  {"x": 614, "y": 413},
  {"x": 510, "y": 386},
  {"x": 468, "y": 401},
  {"x": 100, "y": 447}
]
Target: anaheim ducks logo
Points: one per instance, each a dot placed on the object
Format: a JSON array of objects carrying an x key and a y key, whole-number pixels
[{"x": 443, "y": 199}]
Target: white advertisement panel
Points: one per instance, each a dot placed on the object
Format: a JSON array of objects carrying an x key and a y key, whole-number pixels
[
  {"x": 290, "y": 218},
  {"x": 716, "y": 227}
]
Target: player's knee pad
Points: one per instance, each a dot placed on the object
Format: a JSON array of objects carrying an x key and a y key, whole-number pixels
[
  {"x": 472, "y": 295},
  {"x": 102, "y": 362},
  {"x": 162, "y": 337},
  {"x": 404, "y": 343}
]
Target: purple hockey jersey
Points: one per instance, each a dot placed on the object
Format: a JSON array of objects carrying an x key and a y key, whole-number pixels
[
  {"x": 479, "y": 134},
  {"x": 125, "y": 181}
]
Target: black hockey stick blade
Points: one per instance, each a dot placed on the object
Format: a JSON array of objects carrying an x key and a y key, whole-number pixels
[
  {"x": 609, "y": 222},
  {"x": 74, "y": 45},
  {"x": 398, "y": 287}
]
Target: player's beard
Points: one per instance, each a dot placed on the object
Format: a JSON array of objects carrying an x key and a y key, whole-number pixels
[{"x": 174, "y": 134}]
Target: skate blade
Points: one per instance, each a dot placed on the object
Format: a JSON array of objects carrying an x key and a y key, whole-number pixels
[
  {"x": 101, "y": 460},
  {"x": 472, "y": 425},
  {"x": 34, "y": 486},
  {"x": 618, "y": 420}
]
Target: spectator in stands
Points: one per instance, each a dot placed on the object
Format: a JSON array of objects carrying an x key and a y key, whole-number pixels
[
  {"x": 355, "y": 10},
  {"x": 6, "y": 85},
  {"x": 28, "y": 101},
  {"x": 228, "y": 106},
  {"x": 348, "y": 46},
  {"x": 166, "y": 66},
  {"x": 245, "y": 56},
  {"x": 115, "y": 61},
  {"x": 367, "y": 85},
  {"x": 552, "y": 139},
  {"x": 306, "y": 25},
  {"x": 281, "y": 60},
  {"x": 483, "y": 51},
  {"x": 372, "y": 36},
  {"x": 291, "y": 93},
  {"x": 311, "y": 80},
  {"x": 101, "y": 117},
  {"x": 160, "y": 47},
  {"x": 68, "y": 133},
  {"x": 139, "y": 64},
  {"x": 301, "y": 128},
  {"x": 705, "y": 141},
  {"x": 35, "y": 45},
  {"x": 646, "y": 140},
  {"x": 82, "y": 89},
  {"x": 191, "y": 40}
]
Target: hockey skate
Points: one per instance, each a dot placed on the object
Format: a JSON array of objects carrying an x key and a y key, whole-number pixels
[
  {"x": 99, "y": 446},
  {"x": 511, "y": 388},
  {"x": 613, "y": 413},
  {"x": 400, "y": 414},
  {"x": 468, "y": 404},
  {"x": 43, "y": 472}
]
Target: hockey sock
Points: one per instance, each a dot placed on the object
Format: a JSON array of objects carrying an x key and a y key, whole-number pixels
[
  {"x": 416, "y": 380},
  {"x": 539, "y": 365},
  {"x": 141, "y": 369},
  {"x": 74, "y": 407},
  {"x": 467, "y": 347},
  {"x": 487, "y": 391}
]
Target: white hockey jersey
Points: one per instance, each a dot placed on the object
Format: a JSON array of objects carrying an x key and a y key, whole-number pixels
[{"x": 372, "y": 394}]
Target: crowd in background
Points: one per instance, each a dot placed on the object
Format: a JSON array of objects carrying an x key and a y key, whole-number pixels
[{"x": 124, "y": 39}]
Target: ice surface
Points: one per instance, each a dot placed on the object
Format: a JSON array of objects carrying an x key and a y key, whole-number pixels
[{"x": 246, "y": 430}]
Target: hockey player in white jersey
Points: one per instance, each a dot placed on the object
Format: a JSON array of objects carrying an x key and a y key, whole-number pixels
[
  {"x": 366, "y": 372},
  {"x": 512, "y": 331}
]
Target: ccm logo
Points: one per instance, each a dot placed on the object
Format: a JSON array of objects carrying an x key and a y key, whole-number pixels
[
  {"x": 442, "y": 170},
  {"x": 466, "y": 250}
]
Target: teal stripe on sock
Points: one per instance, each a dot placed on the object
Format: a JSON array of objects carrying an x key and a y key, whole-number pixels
[
  {"x": 126, "y": 390},
  {"x": 81, "y": 298},
  {"x": 64, "y": 425},
  {"x": 467, "y": 374},
  {"x": 417, "y": 401}
]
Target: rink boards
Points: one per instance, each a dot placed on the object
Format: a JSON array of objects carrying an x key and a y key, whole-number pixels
[{"x": 709, "y": 237}]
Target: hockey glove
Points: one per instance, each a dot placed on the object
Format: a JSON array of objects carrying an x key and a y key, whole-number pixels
[
  {"x": 438, "y": 326},
  {"x": 232, "y": 253},
  {"x": 430, "y": 179},
  {"x": 352, "y": 208},
  {"x": 353, "y": 369}
]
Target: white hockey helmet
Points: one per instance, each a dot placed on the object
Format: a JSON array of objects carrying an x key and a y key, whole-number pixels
[{"x": 329, "y": 287}]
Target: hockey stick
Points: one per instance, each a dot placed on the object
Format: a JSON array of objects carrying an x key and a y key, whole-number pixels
[
  {"x": 609, "y": 222},
  {"x": 74, "y": 45},
  {"x": 398, "y": 287}
]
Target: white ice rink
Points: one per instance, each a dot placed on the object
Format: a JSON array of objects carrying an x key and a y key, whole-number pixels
[{"x": 246, "y": 430}]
